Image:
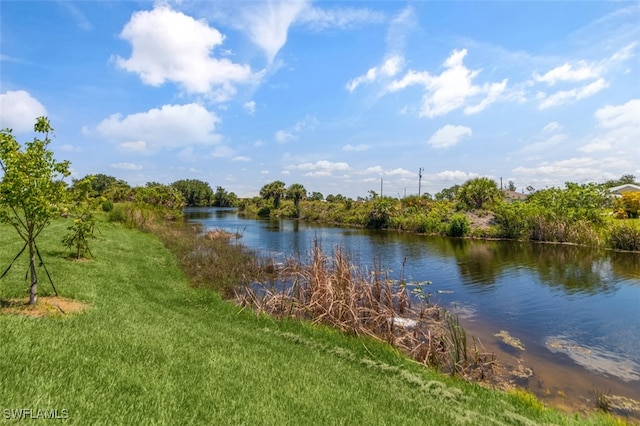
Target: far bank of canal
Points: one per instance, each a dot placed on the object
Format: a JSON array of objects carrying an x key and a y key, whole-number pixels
[{"x": 575, "y": 310}]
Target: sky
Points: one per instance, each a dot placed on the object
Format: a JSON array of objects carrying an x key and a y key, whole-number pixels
[{"x": 342, "y": 97}]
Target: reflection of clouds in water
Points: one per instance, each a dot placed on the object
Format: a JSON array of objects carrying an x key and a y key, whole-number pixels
[
  {"x": 595, "y": 359},
  {"x": 466, "y": 312}
]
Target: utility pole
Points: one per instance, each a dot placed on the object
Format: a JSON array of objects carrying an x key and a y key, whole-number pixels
[
  {"x": 420, "y": 170},
  {"x": 500, "y": 183}
]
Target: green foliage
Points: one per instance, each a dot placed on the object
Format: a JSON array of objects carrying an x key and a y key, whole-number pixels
[
  {"x": 628, "y": 205},
  {"x": 264, "y": 211},
  {"x": 167, "y": 196},
  {"x": 458, "y": 226},
  {"x": 222, "y": 198},
  {"x": 296, "y": 192},
  {"x": 448, "y": 194},
  {"x": 195, "y": 193},
  {"x": 574, "y": 202},
  {"x": 625, "y": 179},
  {"x": 511, "y": 219},
  {"x": 478, "y": 193},
  {"x": 31, "y": 190},
  {"x": 381, "y": 211},
  {"x": 625, "y": 236},
  {"x": 315, "y": 196},
  {"x": 84, "y": 221},
  {"x": 275, "y": 191},
  {"x": 101, "y": 184}
]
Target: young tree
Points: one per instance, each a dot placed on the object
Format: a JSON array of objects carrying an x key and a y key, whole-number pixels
[{"x": 31, "y": 190}]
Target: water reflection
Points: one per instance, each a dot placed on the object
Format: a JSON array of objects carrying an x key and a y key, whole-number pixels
[{"x": 561, "y": 301}]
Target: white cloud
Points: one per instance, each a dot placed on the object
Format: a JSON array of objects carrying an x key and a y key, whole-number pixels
[
  {"x": 346, "y": 17},
  {"x": 267, "y": 23},
  {"x": 552, "y": 127},
  {"x": 620, "y": 126},
  {"x": 126, "y": 166},
  {"x": 389, "y": 68},
  {"x": 134, "y": 145},
  {"x": 307, "y": 123},
  {"x": 452, "y": 89},
  {"x": 449, "y": 135},
  {"x": 171, "y": 46},
  {"x": 258, "y": 143},
  {"x": 283, "y": 136},
  {"x": 356, "y": 148},
  {"x": 320, "y": 168},
  {"x": 627, "y": 114},
  {"x": 379, "y": 170},
  {"x": 455, "y": 176},
  {"x": 241, "y": 158},
  {"x": 568, "y": 72},
  {"x": 172, "y": 126},
  {"x": 222, "y": 151},
  {"x": 568, "y": 96},
  {"x": 250, "y": 107},
  {"x": 19, "y": 110}
]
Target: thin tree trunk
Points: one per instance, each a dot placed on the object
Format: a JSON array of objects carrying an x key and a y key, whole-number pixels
[{"x": 33, "y": 289}]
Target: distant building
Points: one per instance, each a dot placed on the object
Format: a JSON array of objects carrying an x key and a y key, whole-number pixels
[
  {"x": 512, "y": 196},
  {"x": 617, "y": 191}
]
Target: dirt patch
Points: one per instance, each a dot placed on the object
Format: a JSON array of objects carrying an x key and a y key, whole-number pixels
[
  {"x": 482, "y": 221},
  {"x": 45, "y": 307}
]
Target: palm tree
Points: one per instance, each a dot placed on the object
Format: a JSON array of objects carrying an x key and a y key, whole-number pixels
[
  {"x": 479, "y": 192},
  {"x": 273, "y": 190},
  {"x": 296, "y": 192}
]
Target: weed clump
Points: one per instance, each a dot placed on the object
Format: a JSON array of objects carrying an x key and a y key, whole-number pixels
[{"x": 330, "y": 290}]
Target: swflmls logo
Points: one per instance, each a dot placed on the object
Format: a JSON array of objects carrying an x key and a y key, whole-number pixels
[{"x": 37, "y": 414}]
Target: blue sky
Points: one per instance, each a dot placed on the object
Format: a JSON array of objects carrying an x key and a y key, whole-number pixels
[{"x": 336, "y": 96}]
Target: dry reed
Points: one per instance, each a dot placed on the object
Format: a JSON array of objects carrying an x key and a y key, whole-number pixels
[{"x": 330, "y": 290}]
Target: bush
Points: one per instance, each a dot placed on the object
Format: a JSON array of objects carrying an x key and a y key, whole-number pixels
[
  {"x": 625, "y": 236},
  {"x": 264, "y": 211},
  {"x": 458, "y": 226},
  {"x": 107, "y": 206}
]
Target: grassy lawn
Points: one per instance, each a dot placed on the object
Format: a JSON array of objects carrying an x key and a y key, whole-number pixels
[{"x": 151, "y": 349}]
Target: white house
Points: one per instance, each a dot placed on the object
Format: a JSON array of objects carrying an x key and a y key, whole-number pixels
[{"x": 627, "y": 187}]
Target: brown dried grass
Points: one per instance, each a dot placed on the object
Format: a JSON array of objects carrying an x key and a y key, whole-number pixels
[{"x": 330, "y": 290}]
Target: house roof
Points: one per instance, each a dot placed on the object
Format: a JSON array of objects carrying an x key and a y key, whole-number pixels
[{"x": 627, "y": 187}]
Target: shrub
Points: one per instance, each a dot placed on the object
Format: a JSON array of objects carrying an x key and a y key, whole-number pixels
[
  {"x": 625, "y": 236},
  {"x": 458, "y": 226},
  {"x": 264, "y": 211}
]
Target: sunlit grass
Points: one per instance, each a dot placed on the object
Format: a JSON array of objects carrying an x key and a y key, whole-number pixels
[{"x": 151, "y": 349}]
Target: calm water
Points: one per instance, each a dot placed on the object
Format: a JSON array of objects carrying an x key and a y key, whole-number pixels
[{"x": 576, "y": 311}]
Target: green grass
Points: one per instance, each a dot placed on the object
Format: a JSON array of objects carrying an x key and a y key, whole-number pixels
[{"x": 151, "y": 349}]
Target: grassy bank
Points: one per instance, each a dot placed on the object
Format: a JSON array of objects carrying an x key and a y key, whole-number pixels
[{"x": 152, "y": 349}]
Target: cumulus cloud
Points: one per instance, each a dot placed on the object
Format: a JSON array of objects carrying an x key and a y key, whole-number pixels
[
  {"x": 620, "y": 126},
  {"x": 19, "y": 110},
  {"x": 452, "y": 89},
  {"x": 241, "y": 158},
  {"x": 569, "y": 96},
  {"x": 356, "y": 148},
  {"x": 322, "y": 168},
  {"x": 168, "y": 127},
  {"x": 171, "y": 46},
  {"x": 134, "y": 145},
  {"x": 283, "y": 136},
  {"x": 449, "y": 135},
  {"x": 250, "y": 107},
  {"x": 569, "y": 72},
  {"x": 389, "y": 68},
  {"x": 126, "y": 166},
  {"x": 379, "y": 170}
]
